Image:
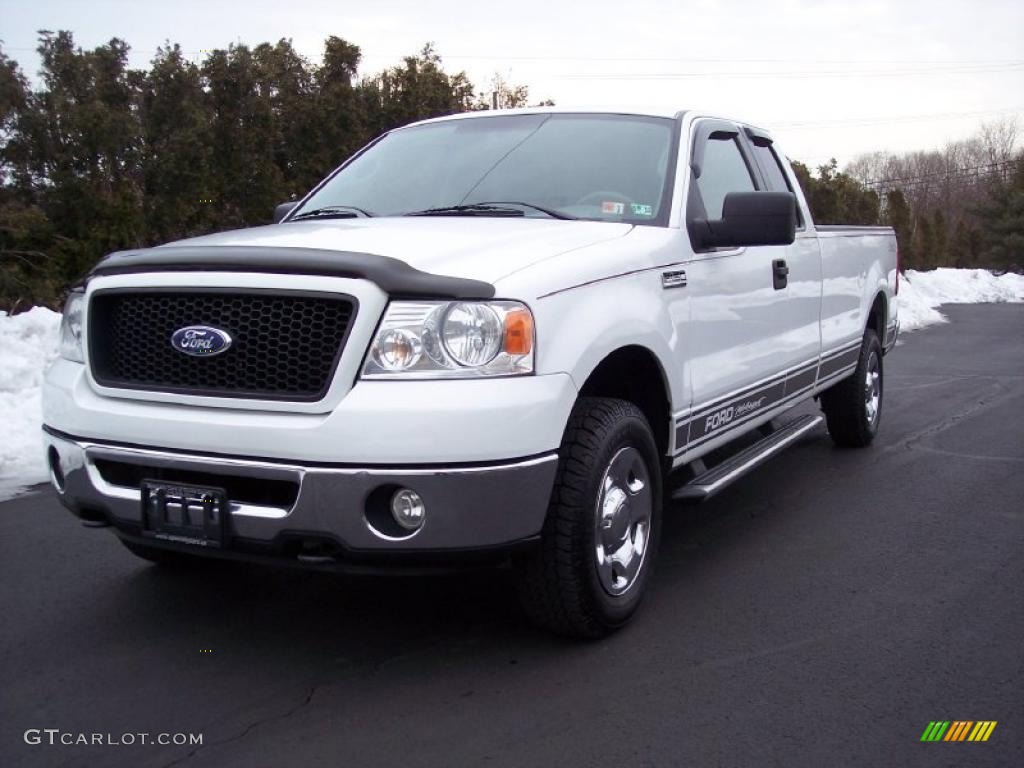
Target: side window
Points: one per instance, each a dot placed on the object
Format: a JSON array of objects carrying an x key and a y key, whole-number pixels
[
  {"x": 771, "y": 167},
  {"x": 723, "y": 170},
  {"x": 769, "y": 163}
]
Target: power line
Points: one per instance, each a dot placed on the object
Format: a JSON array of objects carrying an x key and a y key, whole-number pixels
[
  {"x": 846, "y": 122},
  {"x": 729, "y": 60},
  {"x": 958, "y": 175},
  {"x": 943, "y": 174},
  {"x": 799, "y": 75},
  {"x": 867, "y": 120}
]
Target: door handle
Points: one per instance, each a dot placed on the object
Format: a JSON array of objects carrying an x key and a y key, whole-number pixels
[{"x": 780, "y": 274}]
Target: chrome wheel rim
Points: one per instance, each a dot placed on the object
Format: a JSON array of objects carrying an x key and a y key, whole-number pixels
[
  {"x": 623, "y": 521},
  {"x": 872, "y": 390}
]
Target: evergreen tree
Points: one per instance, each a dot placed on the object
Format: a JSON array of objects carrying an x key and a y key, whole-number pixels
[
  {"x": 897, "y": 216},
  {"x": 924, "y": 243},
  {"x": 101, "y": 157},
  {"x": 964, "y": 245},
  {"x": 26, "y": 235},
  {"x": 1002, "y": 233},
  {"x": 940, "y": 234},
  {"x": 340, "y": 113},
  {"x": 246, "y": 182},
  {"x": 417, "y": 90},
  {"x": 285, "y": 83},
  {"x": 837, "y": 198},
  {"x": 13, "y": 97},
  {"x": 177, "y": 134},
  {"x": 81, "y": 151}
]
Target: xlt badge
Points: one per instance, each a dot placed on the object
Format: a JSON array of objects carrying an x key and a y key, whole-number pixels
[{"x": 675, "y": 279}]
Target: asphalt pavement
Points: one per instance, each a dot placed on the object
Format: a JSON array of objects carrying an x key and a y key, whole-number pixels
[{"x": 821, "y": 612}]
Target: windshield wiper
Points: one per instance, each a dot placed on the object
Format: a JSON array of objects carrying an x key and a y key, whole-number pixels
[
  {"x": 333, "y": 212},
  {"x": 498, "y": 208}
]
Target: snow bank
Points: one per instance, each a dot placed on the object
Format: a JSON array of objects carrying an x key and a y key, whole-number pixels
[
  {"x": 28, "y": 343},
  {"x": 922, "y": 292}
]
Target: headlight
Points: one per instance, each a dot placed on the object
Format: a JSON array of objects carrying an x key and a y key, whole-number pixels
[
  {"x": 71, "y": 328},
  {"x": 473, "y": 334},
  {"x": 452, "y": 340}
]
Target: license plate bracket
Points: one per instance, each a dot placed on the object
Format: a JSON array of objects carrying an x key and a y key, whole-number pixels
[{"x": 186, "y": 514}]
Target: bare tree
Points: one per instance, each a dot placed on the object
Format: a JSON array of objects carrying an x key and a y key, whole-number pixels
[
  {"x": 954, "y": 179},
  {"x": 999, "y": 139}
]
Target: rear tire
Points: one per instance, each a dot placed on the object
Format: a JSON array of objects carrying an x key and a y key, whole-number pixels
[
  {"x": 853, "y": 407},
  {"x": 588, "y": 575}
]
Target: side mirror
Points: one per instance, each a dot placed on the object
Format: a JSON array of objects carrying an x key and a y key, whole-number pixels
[
  {"x": 283, "y": 210},
  {"x": 751, "y": 218}
]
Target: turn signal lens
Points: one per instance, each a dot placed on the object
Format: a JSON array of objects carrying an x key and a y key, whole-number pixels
[
  {"x": 398, "y": 350},
  {"x": 518, "y": 332}
]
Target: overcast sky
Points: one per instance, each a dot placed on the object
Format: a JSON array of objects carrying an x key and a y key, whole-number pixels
[{"x": 829, "y": 77}]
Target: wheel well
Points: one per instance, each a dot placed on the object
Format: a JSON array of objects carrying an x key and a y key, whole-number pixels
[
  {"x": 634, "y": 374},
  {"x": 877, "y": 317}
]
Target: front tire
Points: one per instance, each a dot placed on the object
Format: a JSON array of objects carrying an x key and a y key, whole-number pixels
[
  {"x": 853, "y": 407},
  {"x": 589, "y": 573}
]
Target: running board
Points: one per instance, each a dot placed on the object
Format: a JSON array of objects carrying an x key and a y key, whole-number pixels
[{"x": 707, "y": 484}]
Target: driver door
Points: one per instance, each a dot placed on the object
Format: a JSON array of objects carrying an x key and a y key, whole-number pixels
[{"x": 743, "y": 337}]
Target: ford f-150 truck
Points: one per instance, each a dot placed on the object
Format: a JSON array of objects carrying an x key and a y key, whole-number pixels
[{"x": 514, "y": 335}]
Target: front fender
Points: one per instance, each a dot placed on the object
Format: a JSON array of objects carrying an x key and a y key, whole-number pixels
[{"x": 580, "y": 327}]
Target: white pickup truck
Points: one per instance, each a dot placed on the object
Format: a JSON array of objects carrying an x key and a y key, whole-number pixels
[{"x": 500, "y": 335}]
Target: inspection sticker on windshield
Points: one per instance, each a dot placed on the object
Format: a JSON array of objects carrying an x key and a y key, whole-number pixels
[
  {"x": 642, "y": 209},
  {"x": 609, "y": 207}
]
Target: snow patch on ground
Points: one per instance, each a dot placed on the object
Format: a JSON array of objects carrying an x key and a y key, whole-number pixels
[
  {"x": 28, "y": 344},
  {"x": 921, "y": 293},
  {"x": 29, "y": 341}
]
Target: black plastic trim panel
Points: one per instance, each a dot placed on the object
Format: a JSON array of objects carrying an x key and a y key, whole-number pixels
[{"x": 393, "y": 276}]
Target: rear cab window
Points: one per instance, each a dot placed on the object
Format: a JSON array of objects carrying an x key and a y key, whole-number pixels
[{"x": 772, "y": 169}]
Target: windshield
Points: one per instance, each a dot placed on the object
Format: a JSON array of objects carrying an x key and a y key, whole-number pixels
[{"x": 597, "y": 167}]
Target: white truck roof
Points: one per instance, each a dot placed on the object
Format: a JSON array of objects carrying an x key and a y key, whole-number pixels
[
  {"x": 647, "y": 111},
  {"x": 642, "y": 111}
]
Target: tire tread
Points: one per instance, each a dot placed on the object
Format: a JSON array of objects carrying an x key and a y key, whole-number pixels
[
  {"x": 552, "y": 581},
  {"x": 843, "y": 403}
]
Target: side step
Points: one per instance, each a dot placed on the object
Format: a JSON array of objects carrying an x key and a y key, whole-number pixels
[{"x": 707, "y": 484}]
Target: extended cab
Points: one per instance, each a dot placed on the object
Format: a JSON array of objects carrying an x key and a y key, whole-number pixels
[{"x": 509, "y": 334}]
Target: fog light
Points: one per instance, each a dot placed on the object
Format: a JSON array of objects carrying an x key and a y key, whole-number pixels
[{"x": 408, "y": 509}]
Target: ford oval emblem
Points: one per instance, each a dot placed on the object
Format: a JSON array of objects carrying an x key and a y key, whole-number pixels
[{"x": 200, "y": 340}]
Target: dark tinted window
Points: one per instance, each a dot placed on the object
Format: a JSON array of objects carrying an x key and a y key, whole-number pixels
[
  {"x": 723, "y": 170},
  {"x": 772, "y": 168}
]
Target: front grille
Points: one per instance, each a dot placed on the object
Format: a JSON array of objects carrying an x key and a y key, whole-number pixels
[{"x": 285, "y": 346}]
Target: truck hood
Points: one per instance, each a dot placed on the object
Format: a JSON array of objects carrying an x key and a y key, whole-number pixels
[{"x": 472, "y": 247}]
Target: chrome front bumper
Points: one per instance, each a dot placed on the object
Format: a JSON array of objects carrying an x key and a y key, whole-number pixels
[{"x": 468, "y": 507}]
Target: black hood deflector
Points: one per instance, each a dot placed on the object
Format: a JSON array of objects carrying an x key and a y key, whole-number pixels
[{"x": 393, "y": 276}]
